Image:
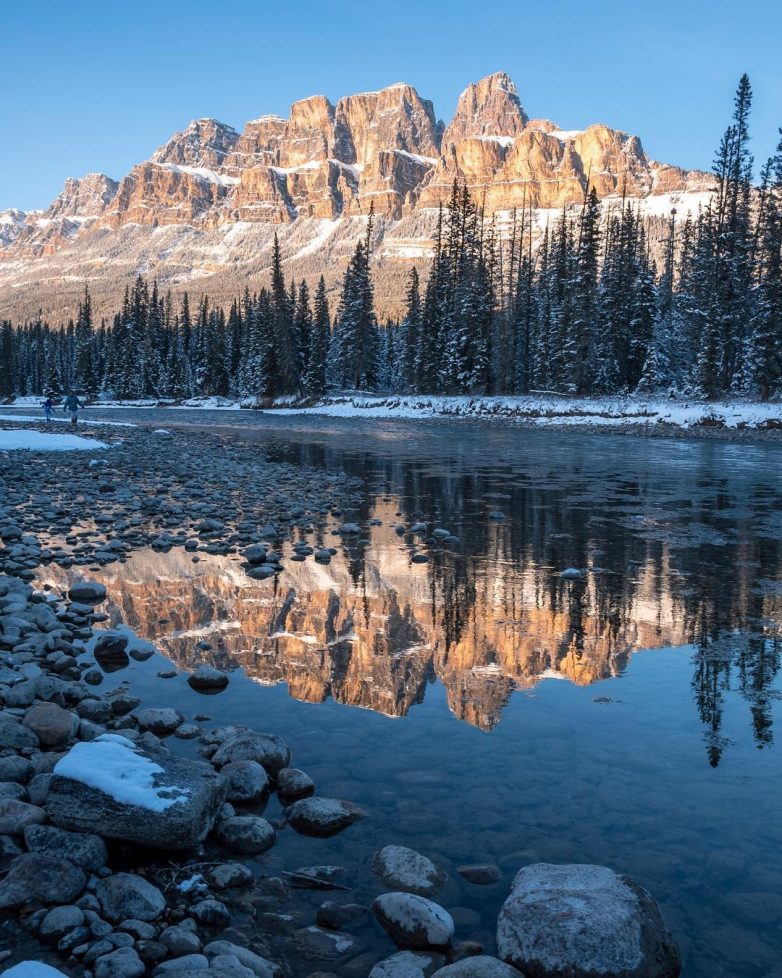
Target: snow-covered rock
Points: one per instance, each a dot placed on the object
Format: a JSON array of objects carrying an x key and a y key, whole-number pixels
[
  {"x": 580, "y": 921},
  {"x": 114, "y": 788}
]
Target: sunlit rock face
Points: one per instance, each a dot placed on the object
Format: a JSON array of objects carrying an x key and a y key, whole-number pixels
[
  {"x": 223, "y": 193},
  {"x": 374, "y": 631}
]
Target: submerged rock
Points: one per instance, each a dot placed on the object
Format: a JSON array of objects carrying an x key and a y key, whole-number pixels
[
  {"x": 478, "y": 966},
  {"x": 406, "y": 964},
  {"x": 413, "y": 921},
  {"x": 89, "y": 592},
  {"x": 121, "y": 791},
  {"x": 577, "y": 921},
  {"x": 404, "y": 869}
]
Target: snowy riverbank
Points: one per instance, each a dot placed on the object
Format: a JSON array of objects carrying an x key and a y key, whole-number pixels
[{"x": 541, "y": 410}]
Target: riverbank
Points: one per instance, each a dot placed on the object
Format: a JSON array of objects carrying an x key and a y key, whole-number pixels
[
  {"x": 657, "y": 417},
  {"x": 219, "y": 899}
]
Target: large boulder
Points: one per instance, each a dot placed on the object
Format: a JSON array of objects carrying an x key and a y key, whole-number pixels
[
  {"x": 412, "y": 920},
  {"x": 322, "y": 816},
  {"x": 112, "y": 787},
  {"x": 401, "y": 868},
  {"x": 578, "y": 921}
]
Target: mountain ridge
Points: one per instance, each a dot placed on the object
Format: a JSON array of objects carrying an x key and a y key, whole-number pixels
[{"x": 228, "y": 192}]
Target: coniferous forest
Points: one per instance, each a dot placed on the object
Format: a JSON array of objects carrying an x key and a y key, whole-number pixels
[{"x": 584, "y": 310}]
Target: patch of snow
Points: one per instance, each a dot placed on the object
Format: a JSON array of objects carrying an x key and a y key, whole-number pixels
[
  {"x": 283, "y": 170},
  {"x": 202, "y": 173},
  {"x": 33, "y": 419},
  {"x": 33, "y": 969},
  {"x": 504, "y": 141},
  {"x": 12, "y": 440},
  {"x": 113, "y": 765},
  {"x": 564, "y": 134},
  {"x": 427, "y": 160}
]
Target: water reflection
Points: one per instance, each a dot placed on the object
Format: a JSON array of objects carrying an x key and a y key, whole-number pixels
[{"x": 494, "y": 615}]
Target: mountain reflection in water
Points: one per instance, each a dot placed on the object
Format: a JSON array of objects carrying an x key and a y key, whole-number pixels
[{"x": 374, "y": 630}]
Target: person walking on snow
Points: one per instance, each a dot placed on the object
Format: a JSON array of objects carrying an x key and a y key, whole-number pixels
[
  {"x": 47, "y": 406},
  {"x": 71, "y": 406}
]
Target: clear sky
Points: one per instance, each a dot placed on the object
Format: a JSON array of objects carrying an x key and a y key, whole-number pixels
[{"x": 98, "y": 86}]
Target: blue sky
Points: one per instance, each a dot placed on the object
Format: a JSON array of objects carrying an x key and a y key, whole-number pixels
[{"x": 98, "y": 86}]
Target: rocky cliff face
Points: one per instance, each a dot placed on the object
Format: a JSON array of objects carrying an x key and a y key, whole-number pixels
[{"x": 326, "y": 163}]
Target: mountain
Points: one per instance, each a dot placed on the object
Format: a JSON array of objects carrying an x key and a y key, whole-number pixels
[{"x": 200, "y": 214}]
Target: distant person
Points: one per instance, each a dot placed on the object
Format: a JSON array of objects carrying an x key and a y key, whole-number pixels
[
  {"x": 71, "y": 406},
  {"x": 48, "y": 407}
]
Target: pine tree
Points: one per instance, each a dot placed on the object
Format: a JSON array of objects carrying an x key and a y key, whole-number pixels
[
  {"x": 86, "y": 379},
  {"x": 320, "y": 337},
  {"x": 411, "y": 332}
]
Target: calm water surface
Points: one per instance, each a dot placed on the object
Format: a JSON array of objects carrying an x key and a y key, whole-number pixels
[{"x": 484, "y": 709}]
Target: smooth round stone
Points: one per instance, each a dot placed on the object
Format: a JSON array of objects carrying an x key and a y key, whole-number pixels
[
  {"x": 246, "y": 834},
  {"x": 246, "y": 781},
  {"x": 412, "y": 920},
  {"x": 126, "y": 895},
  {"x": 478, "y": 966},
  {"x": 293, "y": 784},
  {"x": 322, "y": 816},
  {"x": 401, "y": 868}
]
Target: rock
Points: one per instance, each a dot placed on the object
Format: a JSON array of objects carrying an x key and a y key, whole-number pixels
[
  {"x": 245, "y": 833},
  {"x": 161, "y": 721},
  {"x": 571, "y": 574},
  {"x": 314, "y": 943},
  {"x": 207, "y": 679},
  {"x": 151, "y": 951},
  {"x": 37, "y": 876},
  {"x": 50, "y": 723},
  {"x": 190, "y": 964},
  {"x": 481, "y": 875},
  {"x": 211, "y": 913},
  {"x": 406, "y": 964},
  {"x": 110, "y": 652},
  {"x": 412, "y": 920},
  {"x": 138, "y": 928},
  {"x": 9, "y": 850},
  {"x": 293, "y": 784},
  {"x": 247, "y": 745},
  {"x": 170, "y": 803},
  {"x": 350, "y": 529},
  {"x": 88, "y": 592},
  {"x": 478, "y": 966},
  {"x": 10, "y": 789},
  {"x": 246, "y": 781},
  {"x": 497, "y": 515},
  {"x": 322, "y": 816},
  {"x": 84, "y": 849},
  {"x": 59, "y": 921},
  {"x": 180, "y": 941},
  {"x": 260, "y": 966},
  {"x": 255, "y": 553},
  {"x": 404, "y": 869},
  {"x": 15, "y": 735},
  {"x": 122, "y": 963},
  {"x": 336, "y": 915},
  {"x": 125, "y": 895},
  {"x": 581, "y": 920},
  {"x": 16, "y": 815},
  {"x": 228, "y": 875},
  {"x": 15, "y": 768}
]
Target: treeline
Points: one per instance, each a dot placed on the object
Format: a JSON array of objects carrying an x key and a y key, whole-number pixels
[{"x": 585, "y": 310}]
